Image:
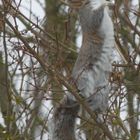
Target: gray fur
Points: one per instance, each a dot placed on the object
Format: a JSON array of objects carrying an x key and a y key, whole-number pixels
[
  {"x": 93, "y": 65},
  {"x": 62, "y": 125},
  {"x": 90, "y": 21}
]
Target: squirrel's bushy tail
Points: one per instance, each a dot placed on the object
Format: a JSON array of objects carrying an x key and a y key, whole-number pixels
[{"x": 62, "y": 125}]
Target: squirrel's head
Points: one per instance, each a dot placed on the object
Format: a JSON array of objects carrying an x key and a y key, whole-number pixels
[
  {"x": 94, "y": 4},
  {"x": 76, "y": 4}
]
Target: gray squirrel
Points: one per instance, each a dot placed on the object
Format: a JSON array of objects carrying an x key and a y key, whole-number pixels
[{"x": 91, "y": 70}]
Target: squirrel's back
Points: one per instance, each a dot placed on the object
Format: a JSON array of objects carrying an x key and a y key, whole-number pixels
[{"x": 93, "y": 65}]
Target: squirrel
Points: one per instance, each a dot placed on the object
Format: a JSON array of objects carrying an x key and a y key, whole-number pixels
[{"x": 91, "y": 70}]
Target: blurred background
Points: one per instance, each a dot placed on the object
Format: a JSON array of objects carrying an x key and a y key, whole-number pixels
[{"x": 39, "y": 43}]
